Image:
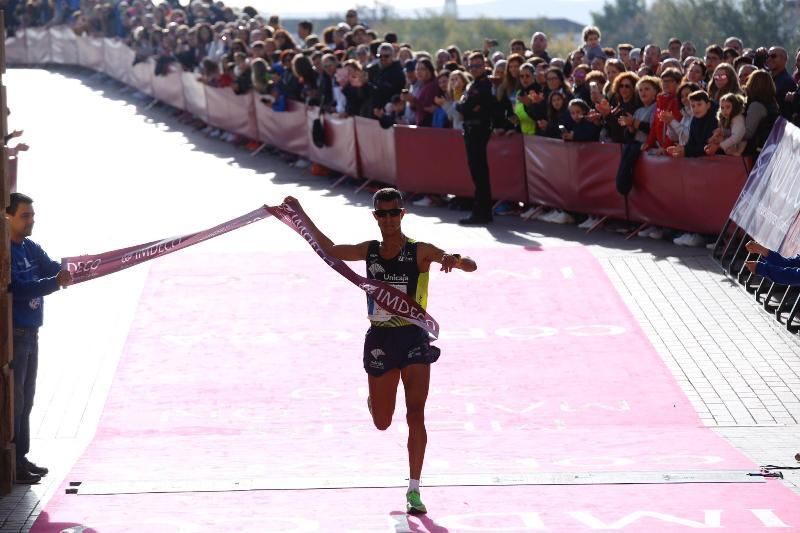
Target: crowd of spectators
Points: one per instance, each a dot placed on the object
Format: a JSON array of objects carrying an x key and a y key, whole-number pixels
[{"x": 677, "y": 102}]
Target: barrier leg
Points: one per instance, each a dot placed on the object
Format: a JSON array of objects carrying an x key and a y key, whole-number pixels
[
  {"x": 152, "y": 104},
  {"x": 635, "y": 232},
  {"x": 597, "y": 224},
  {"x": 258, "y": 150},
  {"x": 339, "y": 181},
  {"x": 361, "y": 187},
  {"x": 535, "y": 213},
  {"x": 790, "y": 297},
  {"x": 790, "y": 320}
]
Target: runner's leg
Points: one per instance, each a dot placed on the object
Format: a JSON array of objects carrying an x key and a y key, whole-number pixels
[
  {"x": 416, "y": 380},
  {"x": 383, "y": 394}
]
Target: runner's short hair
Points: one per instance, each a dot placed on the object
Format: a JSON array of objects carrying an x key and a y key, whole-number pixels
[
  {"x": 387, "y": 194},
  {"x": 14, "y": 199}
]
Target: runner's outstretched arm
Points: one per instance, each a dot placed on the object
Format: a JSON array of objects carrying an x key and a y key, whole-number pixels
[
  {"x": 428, "y": 253},
  {"x": 345, "y": 252}
]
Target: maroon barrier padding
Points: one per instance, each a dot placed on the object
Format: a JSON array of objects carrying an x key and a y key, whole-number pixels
[
  {"x": 691, "y": 194},
  {"x": 194, "y": 95},
  {"x": 287, "y": 130},
  {"x": 340, "y": 152},
  {"x": 594, "y": 166},
  {"x": 64, "y": 46},
  {"x": 141, "y": 76},
  {"x": 548, "y": 167},
  {"x": 231, "y": 112},
  {"x": 433, "y": 160},
  {"x": 507, "y": 167},
  {"x": 90, "y": 53},
  {"x": 169, "y": 88},
  {"x": 38, "y": 42},
  {"x": 16, "y": 50},
  {"x": 117, "y": 60},
  {"x": 376, "y": 151}
]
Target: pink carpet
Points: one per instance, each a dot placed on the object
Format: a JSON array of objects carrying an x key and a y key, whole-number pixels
[{"x": 247, "y": 369}]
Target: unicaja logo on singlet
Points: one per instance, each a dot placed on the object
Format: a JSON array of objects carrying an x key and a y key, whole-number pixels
[
  {"x": 377, "y": 352},
  {"x": 376, "y": 269}
]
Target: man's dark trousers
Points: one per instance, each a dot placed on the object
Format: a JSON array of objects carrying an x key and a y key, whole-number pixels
[
  {"x": 476, "y": 142},
  {"x": 25, "y": 365}
]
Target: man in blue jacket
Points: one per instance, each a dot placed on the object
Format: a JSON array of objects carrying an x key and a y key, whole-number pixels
[
  {"x": 33, "y": 276},
  {"x": 773, "y": 266}
]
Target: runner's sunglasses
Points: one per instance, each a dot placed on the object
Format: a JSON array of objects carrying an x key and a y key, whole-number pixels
[{"x": 383, "y": 213}]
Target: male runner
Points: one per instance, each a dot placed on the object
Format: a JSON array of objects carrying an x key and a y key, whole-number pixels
[{"x": 395, "y": 349}]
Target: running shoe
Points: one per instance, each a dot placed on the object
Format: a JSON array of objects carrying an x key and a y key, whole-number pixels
[{"x": 414, "y": 504}]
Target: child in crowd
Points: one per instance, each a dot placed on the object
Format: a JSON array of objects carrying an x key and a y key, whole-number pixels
[
  {"x": 668, "y": 101},
  {"x": 591, "y": 44},
  {"x": 702, "y": 127},
  {"x": 210, "y": 74},
  {"x": 729, "y": 138},
  {"x": 557, "y": 115},
  {"x": 678, "y": 131},
  {"x": 637, "y": 128},
  {"x": 394, "y": 113},
  {"x": 579, "y": 127}
]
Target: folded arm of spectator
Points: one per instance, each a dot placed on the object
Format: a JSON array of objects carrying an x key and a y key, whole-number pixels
[{"x": 734, "y": 144}]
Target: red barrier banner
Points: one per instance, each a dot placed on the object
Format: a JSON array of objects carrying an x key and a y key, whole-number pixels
[
  {"x": 548, "y": 172},
  {"x": 231, "y": 112},
  {"x": 87, "y": 267},
  {"x": 287, "y": 130},
  {"x": 507, "y": 168},
  {"x": 141, "y": 76},
  {"x": 691, "y": 194},
  {"x": 169, "y": 88},
  {"x": 389, "y": 298},
  {"x": 38, "y": 43},
  {"x": 90, "y": 52},
  {"x": 434, "y": 160},
  {"x": 376, "y": 153},
  {"x": 194, "y": 94},
  {"x": 64, "y": 45},
  {"x": 117, "y": 60},
  {"x": 16, "y": 50},
  {"x": 340, "y": 152}
]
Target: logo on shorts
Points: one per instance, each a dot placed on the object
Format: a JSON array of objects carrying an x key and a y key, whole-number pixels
[
  {"x": 35, "y": 304},
  {"x": 416, "y": 352},
  {"x": 377, "y": 352}
]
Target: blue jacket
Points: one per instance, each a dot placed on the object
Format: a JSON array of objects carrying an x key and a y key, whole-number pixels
[
  {"x": 33, "y": 276},
  {"x": 782, "y": 270}
]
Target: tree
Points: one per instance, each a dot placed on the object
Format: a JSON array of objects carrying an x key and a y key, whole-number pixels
[{"x": 624, "y": 21}]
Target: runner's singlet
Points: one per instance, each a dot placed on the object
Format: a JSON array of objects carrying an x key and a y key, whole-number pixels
[{"x": 401, "y": 272}]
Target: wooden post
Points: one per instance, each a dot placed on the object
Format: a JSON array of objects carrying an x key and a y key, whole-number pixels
[{"x": 7, "y": 451}]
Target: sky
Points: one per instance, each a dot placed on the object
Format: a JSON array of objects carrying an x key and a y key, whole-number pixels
[{"x": 576, "y": 10}]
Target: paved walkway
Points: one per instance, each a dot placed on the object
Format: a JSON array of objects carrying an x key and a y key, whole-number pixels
[{"x": 105, "y": 172}]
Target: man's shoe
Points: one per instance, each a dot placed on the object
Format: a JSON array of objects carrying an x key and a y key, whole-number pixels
[
  {"x": 34, "y": 468},
  {"x": 414, "y": 504},
  {"x": 473, "y": 220},
  {"x": 26, "y": 478}
]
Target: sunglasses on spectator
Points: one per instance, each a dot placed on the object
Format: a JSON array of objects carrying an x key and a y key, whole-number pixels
[
  {"x": 773, "y": 55},
  {"x": 383, "y": 213},
  {"x": 476, "y": 65},
  {"x": 625, "y": 86},
  {"x": 385, "y": 56},
  {"x": 720, "y": 76}
]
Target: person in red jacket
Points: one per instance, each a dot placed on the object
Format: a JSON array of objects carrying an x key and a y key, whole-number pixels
[{"x": 668, "y": 108}]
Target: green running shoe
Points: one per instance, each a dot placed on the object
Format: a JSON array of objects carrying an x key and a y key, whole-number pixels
[{"x": 414, "y": 504}]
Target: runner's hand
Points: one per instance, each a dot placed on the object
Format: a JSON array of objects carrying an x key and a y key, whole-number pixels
[
  {"x": 751, "y": 266},
  {"x": 450, "y": 261}
]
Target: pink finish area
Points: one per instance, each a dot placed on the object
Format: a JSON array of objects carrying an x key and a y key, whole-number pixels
[{"x": 245, "y": 372}]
